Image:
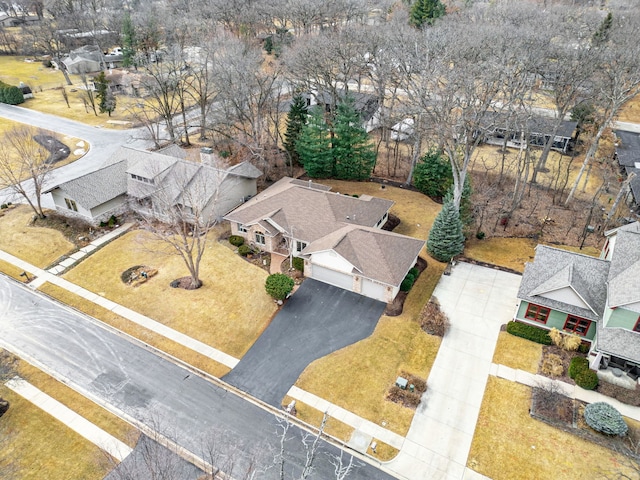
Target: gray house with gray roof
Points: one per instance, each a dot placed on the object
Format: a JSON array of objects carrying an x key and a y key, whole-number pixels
[
  {"x": 149, "y": 182},
  {"x": 597, "y": 299},
  {"x": 340, "y": 237}
]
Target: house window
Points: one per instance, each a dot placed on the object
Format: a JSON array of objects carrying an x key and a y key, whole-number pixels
[
  {"x": 637, "y": 327},
  {"x": 300, "y": 245},
  {"x": 577, "y": 325},
  {"x": 537, "y": 313},
  {"x": 142, "y": 179},
  {"x": 260, "y": 238},
  {"x": 71, "y": 204},
  {"x": 242, "y": 228}
]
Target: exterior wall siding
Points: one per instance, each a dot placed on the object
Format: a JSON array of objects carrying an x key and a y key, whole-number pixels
[
  {"x": 556, "y": 320},
  {"x": 622, "y": 318}
]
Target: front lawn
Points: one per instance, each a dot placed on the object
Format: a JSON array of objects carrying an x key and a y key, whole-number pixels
[
  {"x": 509, "y": 444},
  {"x": 518, "y": 353},
  {"x": 229, "y": 312},
  {"x": 36, "y": 245}
]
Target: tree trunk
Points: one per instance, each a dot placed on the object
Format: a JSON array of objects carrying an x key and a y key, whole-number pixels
[{"x": 587, "y": 159}]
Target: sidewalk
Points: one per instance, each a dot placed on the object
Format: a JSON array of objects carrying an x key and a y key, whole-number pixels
[
  {"x": 571, "y": 391},
  {"x": 146, "y": 322},
  {"x": 71, "y": 419},
  {"x": 477, "y": 301}
]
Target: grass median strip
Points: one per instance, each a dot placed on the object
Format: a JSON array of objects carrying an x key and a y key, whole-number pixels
[
  {"x": 38, "y": 446},
  {"x": 147, "y": 336}
]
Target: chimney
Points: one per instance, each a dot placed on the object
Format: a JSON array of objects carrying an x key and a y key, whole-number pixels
[{"x": 206, "y": 156}]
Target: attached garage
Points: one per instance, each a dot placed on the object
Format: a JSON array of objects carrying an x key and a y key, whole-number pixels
[
  {"x": 332, "y": 277},
  {"x": 374, "y": 290}
]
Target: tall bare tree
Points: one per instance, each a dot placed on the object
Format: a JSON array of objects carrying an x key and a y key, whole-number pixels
[{"x": 24, "y": 165}]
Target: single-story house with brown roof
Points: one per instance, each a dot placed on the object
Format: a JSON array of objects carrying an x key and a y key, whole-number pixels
[{"x": 340, "y": 237}]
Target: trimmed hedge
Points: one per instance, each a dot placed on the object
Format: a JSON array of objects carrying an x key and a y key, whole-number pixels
[
  {"x": 577, "y": 365},
  {"x": 10, "y": 94},
  {"x": 279, "y": 285},
  {"x": 244, "y": 250},
  {"x": 602, "y": 417},
  {"x": 587, "y": 379},
  {"x": 236, "y": 240},
  {"x": 409, "y": 280},
  {"x": 535, "y": 334}
]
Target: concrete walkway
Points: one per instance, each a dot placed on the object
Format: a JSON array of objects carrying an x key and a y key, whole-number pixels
[
  {"x": 71, "y": 419},
  {"x": 571, "y": 391},
  {"x": 94, "y": 246},
  {"x": 477, "y": 301}
]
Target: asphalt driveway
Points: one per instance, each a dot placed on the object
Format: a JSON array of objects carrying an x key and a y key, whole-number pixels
[{"x": 317, "y": 320}]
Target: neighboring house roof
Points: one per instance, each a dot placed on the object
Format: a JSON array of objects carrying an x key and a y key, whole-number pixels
[
  {"x": 619, "y": 342},
  {"x": 624, "y": 273},
  {"x": 97, "y": 187},
  {"x": 364, "y": 103},
  {"x": 534, "y": 124},
  {"x": 245, "y": 169},
  {"x": 374, "y": 253},
  {"x": 628, "y": 155},
  {"x": 554, "y": 269},
  {"x": 309, "y": 209}
]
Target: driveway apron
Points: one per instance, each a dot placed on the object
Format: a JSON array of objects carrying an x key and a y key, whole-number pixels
[{"x": 317, "y": 320}]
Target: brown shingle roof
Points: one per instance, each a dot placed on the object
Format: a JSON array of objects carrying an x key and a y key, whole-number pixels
[
  {"x": 376, "y": 254},
  {"x": 310, "y": 210}
]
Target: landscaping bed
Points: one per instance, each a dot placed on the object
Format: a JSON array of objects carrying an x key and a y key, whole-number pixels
[
  {"x": 568, "y": 415},
  {"x": 395, "y": 308}
]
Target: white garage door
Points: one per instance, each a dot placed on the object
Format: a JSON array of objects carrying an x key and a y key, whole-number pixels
[
  {"x": 332, "y": 277},
  {"x": 373, "y": 289}
]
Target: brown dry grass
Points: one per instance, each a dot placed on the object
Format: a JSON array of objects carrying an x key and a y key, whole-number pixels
[
  {"x": 631, "y": 111},
  {"x": 516, "y": 352},
  {"x": 313, "y": 417},
  {"x": 36, "y": 245},
  {"x": 147, "y": 336},
  {"x": 11, "y": 270},
  {"x": 509, "y": 444},
  {"x": 229, "y": 312},
  {"x": 513, "y": 253},
  {"x": 42, "y": 447},
  {"x": 78, "y": 403}
]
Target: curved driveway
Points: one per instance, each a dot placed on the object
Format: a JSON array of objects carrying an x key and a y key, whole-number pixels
[
  {"x": 128, "y": 378},
  {"x": 317, "y": 320}
]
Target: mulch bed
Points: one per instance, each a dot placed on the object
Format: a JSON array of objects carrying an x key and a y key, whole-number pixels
[
  {"x": 184, "y": 283},
  {"x": 394, "y": 308},
  {"x": 58, "y": 151},
  {"x": 407, "y": 398},
  {"x": 567, "y": 415},
  {"x": 624, "y": 395}
]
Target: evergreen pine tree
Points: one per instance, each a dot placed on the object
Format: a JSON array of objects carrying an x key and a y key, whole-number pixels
[
  {"x": 445, "y": 237},
  {"x": 314, "y": 147},
  {"x": 353, "y": 155},
  {"x": 128, "y": 41},
  {"x": 425, "y": 12},
  {"x": 432, "y": 175},
  {"x": 106, "y": 100},
  {"x": 296, "y": 119}
]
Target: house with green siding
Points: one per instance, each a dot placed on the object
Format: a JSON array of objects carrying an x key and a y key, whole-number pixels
[{"x": 597, "y": 299}]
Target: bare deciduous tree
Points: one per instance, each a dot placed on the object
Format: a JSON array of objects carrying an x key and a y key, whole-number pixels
[{"x": 24, "y": 166}]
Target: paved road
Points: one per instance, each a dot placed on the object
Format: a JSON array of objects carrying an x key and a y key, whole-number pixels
[
  {"x": 128, "y": 378},
  {"x": 317, "y": 320},
  {"x": 103, "y": 142}
]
